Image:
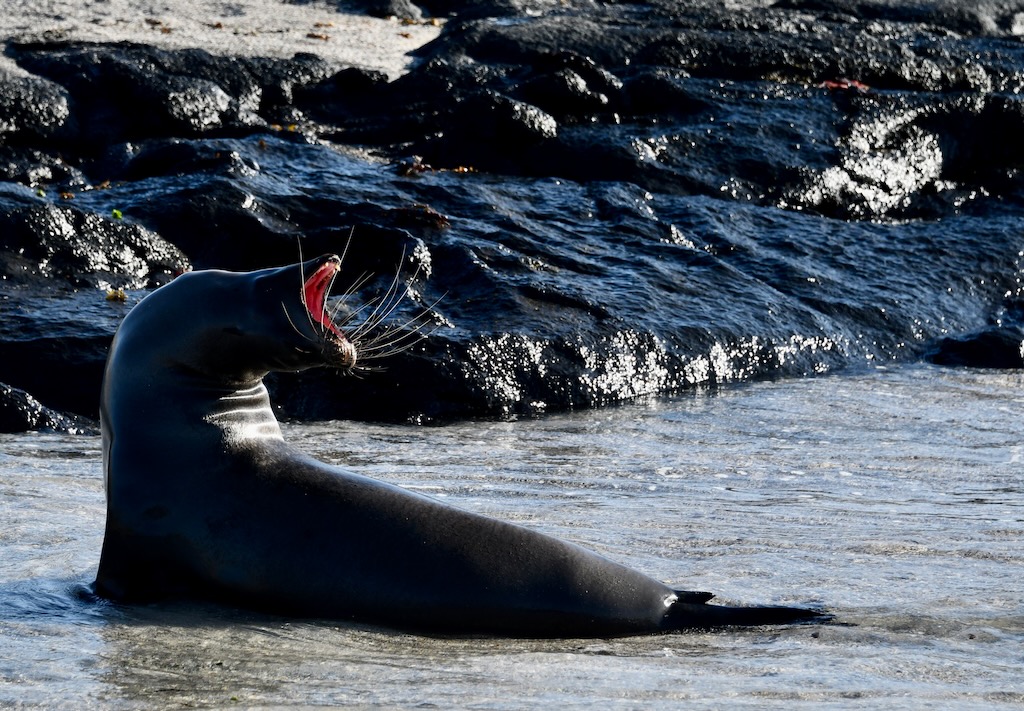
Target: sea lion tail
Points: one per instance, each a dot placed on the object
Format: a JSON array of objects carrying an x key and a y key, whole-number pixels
[{"x": 690, "y": 611}]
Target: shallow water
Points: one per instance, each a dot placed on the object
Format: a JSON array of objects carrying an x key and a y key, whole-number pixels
[{"x": 894, "y": 497}]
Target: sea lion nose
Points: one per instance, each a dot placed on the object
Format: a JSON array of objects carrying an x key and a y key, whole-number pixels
[{"x": 348, "y": 354}]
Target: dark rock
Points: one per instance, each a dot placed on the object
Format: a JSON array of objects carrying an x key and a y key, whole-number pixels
[
  {"x": 564, "y": 94},
  {"x": 568, "y": 85},
  {"x": 128, "y": 91},
  {"x": 403, "y": 9},
  {"x": 83, "y": 249},
  {"x": 205, "y": 216},
  {"x": 659, "y": 92},
  {"x": 990, "y": 348},
  {"x": 598, "y": 36},
  {"x": 31, "y": 108},
  {"x": 63, "y": 372},
  {"x": 34, "y": 168},
  {"x": 493, "y": 132},
  {"x": 163, "y": 158},
  {"x": 972, "y": 131},
  {"x": 20, "y": 412},
  {"x": 493, "y": 117},
  {"x": 466, "y": 9},
  {"x": 613, "y": 199},
  {"x": 351, "y": 83},
  {"x": 902, "y": 157}
]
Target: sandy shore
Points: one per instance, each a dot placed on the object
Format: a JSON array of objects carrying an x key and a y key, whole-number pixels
[{"x": 272, "y": 28}]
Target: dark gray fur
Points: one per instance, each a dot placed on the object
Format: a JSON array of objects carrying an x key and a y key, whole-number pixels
[{"x": 206, "y": 500}]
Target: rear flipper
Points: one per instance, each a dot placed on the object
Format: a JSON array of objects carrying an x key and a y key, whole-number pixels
[{"x": 690, "y": 612}]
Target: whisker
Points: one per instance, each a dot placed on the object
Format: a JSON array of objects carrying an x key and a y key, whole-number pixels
[
  {"x": 400, "y": 343},
  {"x": 399, "y": 339},
  {"x": 358, "y": 370},
  {"x": 366, "y": 326},
  {"x": 292, "y": 323},
  {"x": 395, "y": 300},
  {"x": 377, "y": 316},
  {"x": 355, "y": 314},
  {"x": 348, "y": 243},
  {"x": 393, "y": 348},
  {"x": 362, "y": 281},
  {"x": 417, "y": 323}
]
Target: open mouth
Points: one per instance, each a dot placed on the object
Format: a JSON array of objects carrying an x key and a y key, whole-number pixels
[{"x": 314, "y": 295}]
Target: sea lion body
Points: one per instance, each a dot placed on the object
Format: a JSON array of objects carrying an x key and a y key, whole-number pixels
[{"x": 205, "y": 498}]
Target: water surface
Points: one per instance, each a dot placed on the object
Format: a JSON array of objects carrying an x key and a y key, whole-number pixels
[{"x": 894, "y": 497}]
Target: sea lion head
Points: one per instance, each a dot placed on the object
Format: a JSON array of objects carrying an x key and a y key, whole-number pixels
[
  {"x": 299, "y": 294},
  {"x": 232, "y": 328}
]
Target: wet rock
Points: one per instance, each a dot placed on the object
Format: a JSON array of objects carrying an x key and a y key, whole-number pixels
[
  {"x": 993, "y": 347},
  {"x": 54, "y": 341},
  {"x": 564, "y": 94},
  {"x": 493, "y": 117},
  {"x": 902, "y": 157},
  {"x": 609, "y": 199},
  {"x": 83, "y": 249},
  {"x": 20, "y": 412},
  {"x": 206, "y": 216},
  {"x": 569, "y": 86},
  {"x": 162, "y": 158},
  {"x": 31, "y": 108},
  {"x": 657, "y": 92},
  {"x": 127, "y": 91},
  {"x": 64, "y": 372},
  {"x": 493, "y": 132},
  {"x": 973, "y": 133},
  {"x": 31, "y": 167},
  {"x": 1000, "y": 344}
]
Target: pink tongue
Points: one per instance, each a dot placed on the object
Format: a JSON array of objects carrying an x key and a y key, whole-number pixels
[{"x": 315, "y": 291}]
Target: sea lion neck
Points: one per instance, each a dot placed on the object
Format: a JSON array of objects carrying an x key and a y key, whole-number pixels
[
  {"x": 244, "y": 414},
  {"x": 195, "y": 351}
]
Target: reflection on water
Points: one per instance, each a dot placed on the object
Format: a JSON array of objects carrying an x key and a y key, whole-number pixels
[{"x": 895, "y": 498}]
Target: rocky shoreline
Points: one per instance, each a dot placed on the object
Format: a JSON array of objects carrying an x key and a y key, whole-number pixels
[{"x": 568, "y": 178}]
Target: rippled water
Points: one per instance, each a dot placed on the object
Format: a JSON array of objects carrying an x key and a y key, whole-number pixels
[{"x": 894, "y": 497}]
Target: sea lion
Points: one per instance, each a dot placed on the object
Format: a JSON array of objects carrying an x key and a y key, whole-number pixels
[{"x": 206, "y": 500}]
